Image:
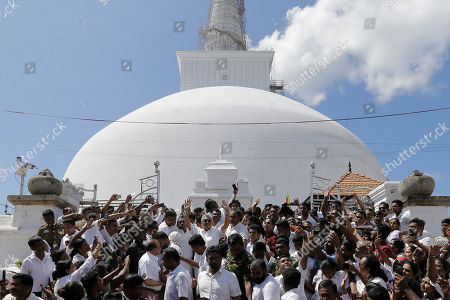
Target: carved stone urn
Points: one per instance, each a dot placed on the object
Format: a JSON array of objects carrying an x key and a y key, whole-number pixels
[
  {"x": 417, "y": 184},
  {"x": 44, "y": 183}
]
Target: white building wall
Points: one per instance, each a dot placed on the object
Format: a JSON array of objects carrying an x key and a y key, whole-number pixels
[{"x": 224, "y": 68}]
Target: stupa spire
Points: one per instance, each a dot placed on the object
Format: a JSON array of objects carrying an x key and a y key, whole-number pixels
[{"x": 225, "y": 29}]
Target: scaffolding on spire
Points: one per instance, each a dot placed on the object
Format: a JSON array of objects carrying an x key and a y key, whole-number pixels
[{"x": 225, "y": 29}]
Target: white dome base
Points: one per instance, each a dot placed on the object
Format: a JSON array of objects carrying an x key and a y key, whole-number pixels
[{"x": 275, "y": 159}]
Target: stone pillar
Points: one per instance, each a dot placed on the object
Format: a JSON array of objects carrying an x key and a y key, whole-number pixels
[
  {"x": 17, "y": 229},
  {"x": 431, "y": 209},
  {"x": 28, "y": 209}
]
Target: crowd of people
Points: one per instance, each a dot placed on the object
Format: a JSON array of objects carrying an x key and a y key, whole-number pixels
[{"x": 288, "y": 252}]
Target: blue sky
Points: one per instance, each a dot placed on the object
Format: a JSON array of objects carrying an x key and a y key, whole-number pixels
[{"x": 76, "y": 48}]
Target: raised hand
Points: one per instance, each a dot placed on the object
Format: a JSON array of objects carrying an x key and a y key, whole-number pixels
[
  {"x": 435, "y": 250},
  {"x": 130, "y": 213},
  {"x": 102, "y": 223},
  {"x": 95, "y": 242},
  {"x": 335, "y": 239},
  {"x": 154, "y": 206},
  {"x": 187, "y": 205},
  {"x": 47, "y": 291},
  {"x": 400, "y": 282},
  {"x": 120, "y": 263},
  {"x": 225, "y": 205},
  {"x": 299, "y": 231},
  {"x": 96, "y": 251},
  {"x": 150, "y": 199},
  {"x": 129, "y": 197},
  {"x": 89, "y": 224}
]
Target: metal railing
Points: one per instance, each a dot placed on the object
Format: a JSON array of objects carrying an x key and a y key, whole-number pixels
[
  {"x": 150, "y": 185},
  {"x": 86, "y": 202}
]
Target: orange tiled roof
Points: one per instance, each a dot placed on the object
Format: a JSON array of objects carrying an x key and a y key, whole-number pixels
[{"x": 351, "y": 180}]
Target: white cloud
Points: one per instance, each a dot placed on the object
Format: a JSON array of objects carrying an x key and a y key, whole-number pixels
[{"x": 409, "y": 43}]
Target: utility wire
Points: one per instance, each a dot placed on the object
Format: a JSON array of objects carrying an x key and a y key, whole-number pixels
[{"x": 226, "y": 123}]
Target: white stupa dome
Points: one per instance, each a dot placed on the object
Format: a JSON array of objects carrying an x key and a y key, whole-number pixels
[{"x": 278, "y": 155}]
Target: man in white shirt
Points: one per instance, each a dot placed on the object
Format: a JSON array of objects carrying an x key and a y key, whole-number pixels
[
  {"x": 211, "y": 206},
  {"x": 402, "y": 215},
  {"x": 180, "y": 237},
  {"x": 39, "y": 264},
  {"x": 328, "y": 270},
  {"x": 304, "y": 209},
  {"x": 216, "y": 282},
  {"x": 291, "y": 281},
  {"x": 22, "y": 285},
  {"x": 94, "y": 231},
  {"x": 255, "y": 235},
  {"x": 198, "y": 245},
  {"x": 284, "y": 262},
  {"x": 416, "y": 227},
  {"x": 69, "y": 229},
  {"x": 210, "y": 234},
  {"x": 67, "y": 213},
  {"x": 217, "y": 217},
  {"x": 169, "y": 224},
  {"x": 443, "y": 239},
  {"x": 305, "y": 264},
  {"x": 178, "y": 282},
  {"x": 236, "y": 226},
  {"x": 265, "y": 287},
  {"x": 148, "y": 264}
]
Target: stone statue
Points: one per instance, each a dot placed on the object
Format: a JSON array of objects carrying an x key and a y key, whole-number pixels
[
  {"x": 44, "y": 183},
  {"x": 416, "y": 184}
]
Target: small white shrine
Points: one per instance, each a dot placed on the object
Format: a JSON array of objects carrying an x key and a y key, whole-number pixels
[{"x": 220, "y": 176}]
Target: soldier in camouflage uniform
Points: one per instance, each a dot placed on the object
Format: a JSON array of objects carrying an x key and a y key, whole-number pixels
[
  {"x": 238, "y": 261},
  {"x": 51, "y": 232}
]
